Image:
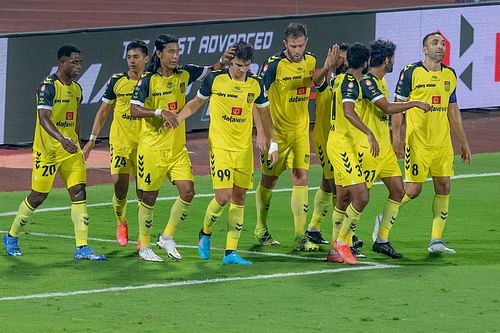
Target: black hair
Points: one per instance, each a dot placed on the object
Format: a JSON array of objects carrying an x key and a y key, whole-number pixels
[
  {"x": 295, "y": 30},
  {"x": 66, "y": 50},
  {"x": 138, "y": 44},
  {"x": 243, "y": 51},
  {"x": 343, "y": 47},
  {"x": 380, "y": 50},
  {"x": 357, "y": 55},
  {"x": 160, "y": 44},
  {"x": 424, "y": 41}
]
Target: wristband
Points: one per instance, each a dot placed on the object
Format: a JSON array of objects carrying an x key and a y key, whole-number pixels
[
  {"x": 92, "y": 137},
  {"x": 273, "y": 147},
  {"x": 158, "y": 112}
]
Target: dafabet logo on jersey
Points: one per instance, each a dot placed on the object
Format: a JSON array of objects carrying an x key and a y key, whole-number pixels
[
  {"x": 236, "y": 111},
  {"x": 172, "y": 106},
  {"x": 436, "y": 99},
  {"x": 301, "y": 90}
]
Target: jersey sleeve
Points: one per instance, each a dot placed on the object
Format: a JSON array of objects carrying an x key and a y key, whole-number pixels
[
  {"x": 196, "y": 72},
  {"x": 109, "y": 95},
  {"x": 268, "y": 72},
  {"x": 370, "y": 89},
  {"x": 261, "y": 101},
  {"x": 141, "y": 90},
  {"x": 403, "y": 88},
  {"x": 349, "y": 90},
  {"x": 45, "y": 93},
  {"x": 322, "y": 87},
  {"x": 206, "y": 87}
]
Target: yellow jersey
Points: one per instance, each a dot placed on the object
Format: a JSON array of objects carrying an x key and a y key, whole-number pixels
[{"x": 437, "y": 88}]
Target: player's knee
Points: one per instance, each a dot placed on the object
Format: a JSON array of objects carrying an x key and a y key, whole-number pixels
[
  {"x": 149, "y": 197},
  {"x": 397, "y": 194},
  {"x": 78, "y": 193},
  {"x": 120, "y": 193},
  {"x": 35, "y": 199},
  {"x": 187, "y": 195}
]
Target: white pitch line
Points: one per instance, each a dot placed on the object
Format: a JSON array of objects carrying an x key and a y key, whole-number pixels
[
  {"x": 194, "y": 282},
  {"x": 205, "y": 195}
]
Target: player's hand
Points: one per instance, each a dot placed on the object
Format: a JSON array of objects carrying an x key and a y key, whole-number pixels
[
  {"x": 227, "y": 56},
  {"x": 332, "y": 57},
  {"x": 424, "y": 106},
  {"x": 374, "y": 147},
  {"x": 261, "y": 143},
  {"x": 466, "y": 154},
  {"x": 169, "y": 119},
  {"x": 399, "y": 147},
  {"x": 88, "y": 148},
  {"x": 69, "y": 145},
  {"x": 272, "y": 154}
]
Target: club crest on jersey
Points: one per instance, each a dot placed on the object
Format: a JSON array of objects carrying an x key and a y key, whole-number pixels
[
  {"x": 301, "y": 90},
  {"x": 447, "y": 86},
  {"x": 172, "y": 106},
  {"x": 436, "y": 99},
  {"x": 69, "y": 115},
  {"x": 182, "y": 86},
  {"x": 236, "y": 111},
  {"x": 250, "y": 97}
]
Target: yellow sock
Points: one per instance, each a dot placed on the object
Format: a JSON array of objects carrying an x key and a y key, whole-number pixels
[
  {"x": 178, "y": 213},
  {"x": 145, "y": 219},
  {"x": 405, "y": 200},
  {"x": 80, "y": 220},
  {"x": 263, "y": 197},
  {"x": 321, "y": 203},
  {"x": 389, "y": 215},
  {"x": 23, "y": 216},
  {"x": 214, "y": 211},
  {"x": 234, "y": 225},
  {"x": 120, "y": 208},
  {"x": 337, "y": 218},
  {"x": 299, "y": 204},
  {"x": 440, "y": 214},
  {"x": 349, "y": 224}
]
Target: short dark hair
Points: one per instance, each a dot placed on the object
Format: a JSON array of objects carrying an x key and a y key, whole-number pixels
[
  {"x": 66, "y": 50},
  {"x": 357, "y": 55},
  {"x": 343, "y": 47},
  {"x": 243, "y": 51},
  {"x": 138, "y": 44},
  {"x": 380, "y": 50},
  {"x": 424, "y": 41},
  {"x": 295, "y": 30}
]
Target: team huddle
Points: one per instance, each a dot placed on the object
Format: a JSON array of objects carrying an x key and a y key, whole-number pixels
[{"x": 357, "y": 138}]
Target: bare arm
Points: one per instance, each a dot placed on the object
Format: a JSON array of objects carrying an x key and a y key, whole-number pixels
[
  {"x": 47, "y": 125},
  {"x": 398, "y": 107},
  {"x": 397, "y": 142},
  {"x": 457, "y": 128},
  {"x": 172, "y": 120},
  {"x": 261, "y": 140},
  {"x": 267, "y": 125},
  {"x": 99, "y": 120},
  {"x": 353, "y": 117}
]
